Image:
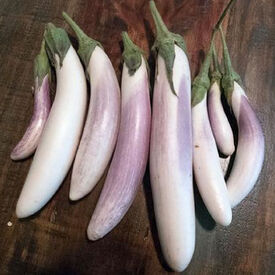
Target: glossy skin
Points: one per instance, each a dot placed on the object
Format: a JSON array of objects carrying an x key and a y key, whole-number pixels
[
  {"x": 250, "y": 150},
  {"x": 60, "y": 138},
  {"x": 207, "y": 168},
  {"x": 131, "y": 154},
  {"x": 171, "y": 163},
  {"x": 42, "y": 105},
  {"x": 219, "y": 123},
  {"x": 101, "y": 127}
]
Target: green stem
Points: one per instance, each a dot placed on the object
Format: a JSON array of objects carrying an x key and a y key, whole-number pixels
[
  {"x": 86, "y": 43},
  {"x": 226, "y": 56},
  {"x": 132, "y": 54},
  {"x": 215, "y": 74},
  {"x": 162, "y": 30},
  {"x": 165, "y": 44},
  {"x": 231, "y": 2},
  {"x": 41, "y": 64},
  {"x": 201, "y": 83},
  {"x": 57, "y": 43},
  {"x": 229, "y": 73},
  {"x": 215, "y": 60}
]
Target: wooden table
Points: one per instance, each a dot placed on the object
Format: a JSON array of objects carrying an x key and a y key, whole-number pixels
[{"x": 54, "y": 241}]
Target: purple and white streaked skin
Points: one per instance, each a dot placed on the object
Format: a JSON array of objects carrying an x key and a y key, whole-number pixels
[
  {"x": 171, "y": 162},
  {"x": 59, "y": 140},
  {"x": 101, "y": 127},
  {"x": 219, "y": 123},
  {"x": 130, "y": 157},
  {"x": 42, "y": 104},
  {"x": 207, "y": 168},
  {"x": 250, "y": 149}
]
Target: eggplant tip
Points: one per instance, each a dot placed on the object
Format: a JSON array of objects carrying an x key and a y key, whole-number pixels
[
  {"x": 21, "y": 213},
  {"x": 225, "y": 220},
  {"x": 75, "y": 195},
  {"x": 229, "y": 150},
  {"x": 180, "y": 265},
  {"x": 14, "y": 155},
  {"x": 93, "y": 235}
]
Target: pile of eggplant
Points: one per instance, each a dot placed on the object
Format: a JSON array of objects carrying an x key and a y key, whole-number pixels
[{"x": 185, "y": 132}]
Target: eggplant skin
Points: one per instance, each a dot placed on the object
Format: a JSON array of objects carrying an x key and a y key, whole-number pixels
[
  {"x": 219, "y": 123},
  {"x": 59, "y": 140},
  {"x": 42, "y": 105},
  {"x": 130, "y": 157},
  {"x": 171, "y": 163},
  {"x": 207, "y": 169},
  {"x": 101, "y": 127},
  {"x": 250, "y": 149}
]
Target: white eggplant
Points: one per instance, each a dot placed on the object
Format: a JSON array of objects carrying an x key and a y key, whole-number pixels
[
  {"x": 59, "y": 141},
  {"x": 207, "y": 168},
  {"x": 250, "y": 148},
  {"x": 42, "y": 105},
  {"x": 219, "y": 123},
  {"x": 131, "y": 154},
  {"x": 101, "y": 127},
  {"x": 171, "y": 149}
]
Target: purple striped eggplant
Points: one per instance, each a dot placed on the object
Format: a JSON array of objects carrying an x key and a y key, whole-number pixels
[
  {"x": 206, "y": 164},
  {"x": 250, "y": 148},
  {"x": 59, "y": 140},
  {"x": 42, "y": 104},
  {"x": 219, "y": 123},
  {"x": 101, "y": 127},
  {"x": 130, "y": 158},
  {"x": 171, "y": 148}
]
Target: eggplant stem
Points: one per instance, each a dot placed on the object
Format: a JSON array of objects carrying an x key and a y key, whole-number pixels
[
  {"x": 132, "y": 54},
  {"x": 86, "y": 43},
  {"x": 81, "y": 36},
  {"x": 231, "y": 2},
  {"x": 165, "y": 44},
  {"x": 57, "y": 42},
  {"x": 215, "y": 60},
  {"x": 226, "y": 56},
  {"x": 162, "y": 30}
]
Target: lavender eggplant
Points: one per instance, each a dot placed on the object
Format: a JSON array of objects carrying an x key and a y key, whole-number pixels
[
  {"x": 250, "y": 148},
  {"x": 101, "y": 127},
  {"x": 219, "y": 123},
  {"x": 58, "y": 143},
  {"x": 129, "y": 161},
  {"x": 42, "y": 104},
  {"x": 207, "y": 168},
  {"x": 171, "y": 148}
]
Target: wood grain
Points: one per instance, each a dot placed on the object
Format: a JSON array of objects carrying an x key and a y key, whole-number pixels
[{"x": 54, "y": 240}]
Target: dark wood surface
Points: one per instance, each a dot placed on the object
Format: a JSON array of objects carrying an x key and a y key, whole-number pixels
[{"x": 54, "y": 241}]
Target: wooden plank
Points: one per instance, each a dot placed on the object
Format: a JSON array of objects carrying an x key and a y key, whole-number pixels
[{"x": 54, "y": 241}]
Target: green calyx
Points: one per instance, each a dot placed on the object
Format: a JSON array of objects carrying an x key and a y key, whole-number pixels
[
  {"x": 57, "y": 43},
  {"x": 165, "y": 44},
  {"x": 229, "y": 75},
  {"x": 132, "y": 54},
  {"x": 215, "y": 74},
  {"x": 41, "y": 64},
  {"x": 86, "y": 44},
  {"x": 201, "y": 83}
]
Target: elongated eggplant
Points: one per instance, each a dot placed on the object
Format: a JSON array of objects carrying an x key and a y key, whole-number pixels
[
  {"x": 130, "y": 158},
  {"x": 60, "y": 138},
  {"x": 171, "y": 148},
  {"x": 42, "y": 104},
  {"x": 101, "y": 127},
  {"x": 250, "y": 149},
  {"x": 206, "y": 164},
  {"x": 219, "y": 123}
]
